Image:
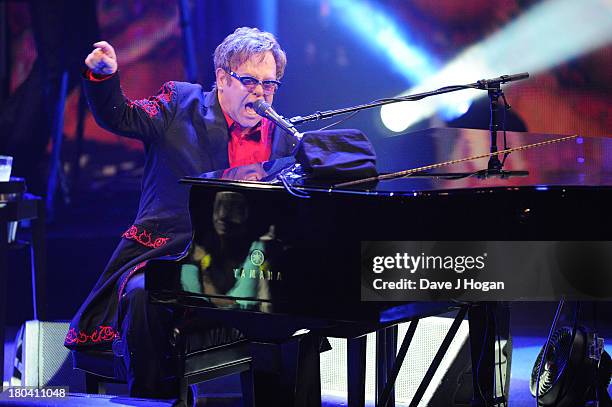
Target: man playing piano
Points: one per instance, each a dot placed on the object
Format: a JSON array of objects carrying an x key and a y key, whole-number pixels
[{"x": 185, "y": 131}]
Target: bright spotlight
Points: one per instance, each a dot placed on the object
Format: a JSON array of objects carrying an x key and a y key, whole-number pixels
[
  {"x": 547, "y": 35},
  {"x": 379, "y": 30}
]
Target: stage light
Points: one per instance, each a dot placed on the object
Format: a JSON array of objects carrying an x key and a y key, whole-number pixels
[
  {"x": 379, "y": 30},
  {"x": 546, "y": 35}
]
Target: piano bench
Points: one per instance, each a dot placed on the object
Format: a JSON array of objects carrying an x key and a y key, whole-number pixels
[
  {"x": 99, "y": 369},
  {"x": 192, "y": 368}
]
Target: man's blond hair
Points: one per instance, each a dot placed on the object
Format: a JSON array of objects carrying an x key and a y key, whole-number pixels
[{"x": 245, "y": 43}]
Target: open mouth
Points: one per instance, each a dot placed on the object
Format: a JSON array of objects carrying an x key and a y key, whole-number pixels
[{"x": 249, "y": 108}]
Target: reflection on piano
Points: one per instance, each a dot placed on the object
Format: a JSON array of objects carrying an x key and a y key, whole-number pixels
[{"x": 272, "y": 264}]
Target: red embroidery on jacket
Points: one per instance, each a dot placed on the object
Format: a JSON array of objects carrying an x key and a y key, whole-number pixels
[
  {"x": 140, "y": 234},
  {"x": 101, "y": 333},
  {"x": 152, "y": 105},
  {"x": 130, "y": 274}
]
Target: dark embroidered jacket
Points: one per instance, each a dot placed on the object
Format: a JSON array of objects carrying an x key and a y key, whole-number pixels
[{"x": 184, "y": 133}]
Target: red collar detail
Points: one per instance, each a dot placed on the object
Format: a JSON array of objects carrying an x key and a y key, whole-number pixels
[{"x": 249, "y": 147}]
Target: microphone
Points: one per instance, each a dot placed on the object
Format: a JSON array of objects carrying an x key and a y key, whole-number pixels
[
  {"x": 485, "y": 83},
  {"x": 264, "y": 109}
]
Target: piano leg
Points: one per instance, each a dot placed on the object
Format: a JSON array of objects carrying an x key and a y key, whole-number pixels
[
  {"x": 386, "y": 348},
  {"x": 356, "y": 366},
  {"x": 308, "y": 389},
  {"x": 246, "y": 383},
  {"x": 290, "y": 376}
]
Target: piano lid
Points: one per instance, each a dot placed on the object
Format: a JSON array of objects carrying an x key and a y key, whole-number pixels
[{"x": 580, "y": 162}]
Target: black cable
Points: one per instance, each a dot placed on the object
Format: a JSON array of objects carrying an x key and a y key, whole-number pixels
[
  {"x": 597, "y": 378},
  {"x": 501, "y": 378},
  {"x": 499, "y": 355},
  {"x": 594, "y": 304},
  {"x": 482, "y": 349},
  {"x": 339, "y": 121},
  {"x": 550, "y": 333},
  {"x": 296, "y": 193},
  {"x": 506, "y": 108}
]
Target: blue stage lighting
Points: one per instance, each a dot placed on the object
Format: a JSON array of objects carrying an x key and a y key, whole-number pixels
[
  {"x": 379, "y": 30},
  {"x": 374, "y": 27}
]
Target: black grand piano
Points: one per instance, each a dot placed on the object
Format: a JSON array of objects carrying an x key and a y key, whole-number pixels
[{"x": 274, "y": 259}]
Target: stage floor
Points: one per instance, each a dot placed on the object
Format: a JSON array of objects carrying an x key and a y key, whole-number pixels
[{"x": 525, "y": 350}]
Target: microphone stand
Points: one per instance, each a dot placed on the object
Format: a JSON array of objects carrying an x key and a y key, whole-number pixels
[
  {"x": 492, "y": 86},
  {"x": 494, "y": 167},
  {"x": 494, "y": 92}
]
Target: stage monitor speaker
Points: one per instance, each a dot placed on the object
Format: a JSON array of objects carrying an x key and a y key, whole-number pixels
[
  {"x": 451, "y": 386},
  {"x": 41, "y": 358}
]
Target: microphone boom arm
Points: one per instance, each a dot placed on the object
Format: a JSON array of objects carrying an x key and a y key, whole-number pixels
[{"x": 484, "y": 84}]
